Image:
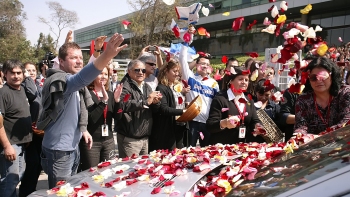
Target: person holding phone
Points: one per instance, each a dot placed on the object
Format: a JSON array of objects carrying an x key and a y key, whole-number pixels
[{"x": 151, "y": 57}]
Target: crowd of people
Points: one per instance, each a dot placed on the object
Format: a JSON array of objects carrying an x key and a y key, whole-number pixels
[{"x": 63, "y": 121}]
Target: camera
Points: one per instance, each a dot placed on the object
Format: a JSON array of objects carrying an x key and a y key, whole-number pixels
[
  {"x": 152, "y": 48},
  {"x": 49, "y": 56}
]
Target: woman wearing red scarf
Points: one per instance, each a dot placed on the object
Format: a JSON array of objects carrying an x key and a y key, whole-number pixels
[
  {"x": 232, "y": 116},
  {"x": 325, "y": 104}
]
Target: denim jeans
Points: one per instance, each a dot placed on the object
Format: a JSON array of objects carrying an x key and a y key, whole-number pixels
[
  {"x": 11, "y": 171},
  {"x": 59, "y": 165},
  {"x": 195, "y": 129}
]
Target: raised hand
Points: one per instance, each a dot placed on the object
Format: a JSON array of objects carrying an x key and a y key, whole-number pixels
[
  {"x": 113, "y": 46},
  {"x": 104, "y": 92},
  {"x": 69, "y": 37},
  {"x": 118, "y": 92},
  {"x": 99, "y": 42}
]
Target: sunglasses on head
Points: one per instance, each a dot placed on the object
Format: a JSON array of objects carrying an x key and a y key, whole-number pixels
[
  {"x": 314, "y": 77},
  {"x": 137, "y": 70},
  {"x": 151, "y": 64}
]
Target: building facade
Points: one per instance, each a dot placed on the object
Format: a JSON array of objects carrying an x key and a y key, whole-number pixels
[{"x": 332, "y": 15}]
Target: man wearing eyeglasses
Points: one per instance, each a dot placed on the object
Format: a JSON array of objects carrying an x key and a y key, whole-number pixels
[
  {"x": 201, "y": 85},
  {"x": 153, "y": 61},
  {"x": 134, "y": 118}
]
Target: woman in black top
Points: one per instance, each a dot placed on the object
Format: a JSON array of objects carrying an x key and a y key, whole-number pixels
[
  {"x": 232, "y": 116},
  {"x": 166, "y": 132},
  {"x": 99, "y": 125}
]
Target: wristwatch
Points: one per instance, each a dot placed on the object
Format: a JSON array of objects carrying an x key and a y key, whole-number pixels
[
  {"x": 98, "y": 50},
  {"x": 105, "y": 102}
]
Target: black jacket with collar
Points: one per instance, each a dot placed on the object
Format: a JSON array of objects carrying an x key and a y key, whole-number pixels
[
  {"x": 133, "y": 119},
  {"x": 230, "y": 136}
]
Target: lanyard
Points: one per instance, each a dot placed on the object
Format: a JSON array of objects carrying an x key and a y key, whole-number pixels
[
  {"x": 104, "y": 110},
  {"x": 326, "y": 122},
  {"x": 241, "y": 114}
]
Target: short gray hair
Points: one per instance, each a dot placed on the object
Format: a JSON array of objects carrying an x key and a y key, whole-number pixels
[
  {"x": 134, "y": 62},
  {"x": 146, "y": 56}
]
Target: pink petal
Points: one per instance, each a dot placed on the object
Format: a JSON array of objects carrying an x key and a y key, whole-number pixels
[{"x": 224, "y": 109}]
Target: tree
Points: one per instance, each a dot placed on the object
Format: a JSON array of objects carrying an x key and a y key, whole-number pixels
[
  {"x": 61, "y": 17},
  {"x": 44, "y": 44},
  {"x": 11, "y": 18},
  {"x": 13, "y": 43},
  {"x": 150, "y": 23}
]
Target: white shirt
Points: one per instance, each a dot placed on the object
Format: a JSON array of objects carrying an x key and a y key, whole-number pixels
[{"x": 231, "y": 97}]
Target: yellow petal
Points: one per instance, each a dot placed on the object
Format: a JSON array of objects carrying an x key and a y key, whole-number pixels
[
  {"x": 281, "y": 19},
  {"x": 322, "y": 49},
  {"x": 214, "y": 84},
  {"x": 226, "y": 14}
]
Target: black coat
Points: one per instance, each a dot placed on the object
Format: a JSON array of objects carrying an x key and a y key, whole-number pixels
[
  {"x": 163, "y": 131},
  {"x": 134, "y": 116},
  {"x": 287, "y": 108},
  {"x": 230, "y": 136}
]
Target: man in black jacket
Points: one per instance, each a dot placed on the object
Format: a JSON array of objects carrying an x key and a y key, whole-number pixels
[{"x": 134, "y": 121}]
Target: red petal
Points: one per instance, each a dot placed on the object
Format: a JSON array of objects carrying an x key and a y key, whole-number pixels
[
  {"x": 126, "y": 159},
  {"x": 224, "y": 59},
  {"x": 242, "y": 100},
  {"x": 237, "y": 23},
  {"x": 292, "y": 72},
  {"x": 126, "y": 97},
  {"x": 161, "y": 178},
  {"x": 205, "y": 78},
  {"x": 253, "y": 54},
  {"x": 156, "y": 190},
  {"x": 267, "y": 83},
  {"x": 245, "y": 72},
  {"x": 119, "y": 111},
  {"x": 180, "y": 100},
  {"x": 168, "y": 183},
  {"x": 185, "y": 83},
  {"x": 250, "y": 97}
]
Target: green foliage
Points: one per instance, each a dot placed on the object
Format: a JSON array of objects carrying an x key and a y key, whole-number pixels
[
  {"x": 217, "y": 64},
  {"x": 14, "y": 47},
  {"x": 44, "y": 45}
]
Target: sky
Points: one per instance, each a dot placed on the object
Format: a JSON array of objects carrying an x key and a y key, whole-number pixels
[{"x": 89, "y": 13}]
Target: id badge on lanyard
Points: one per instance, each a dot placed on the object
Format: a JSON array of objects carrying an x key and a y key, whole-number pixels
[
  {"x": 104, "y": 130},
  {"x": 242, "y": 131}
]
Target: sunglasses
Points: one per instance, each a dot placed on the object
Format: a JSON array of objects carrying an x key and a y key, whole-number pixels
[
  {"x": 137, "y": 70},
  {"x": 151, "y": 64},
  {"x": 314, "y": 77}
]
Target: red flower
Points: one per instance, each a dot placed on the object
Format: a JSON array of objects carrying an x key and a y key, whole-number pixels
[
  {"x": 119, "y": 111},
  {"x": 292, "y": 72},
  {"x": 205, "y": 78}
]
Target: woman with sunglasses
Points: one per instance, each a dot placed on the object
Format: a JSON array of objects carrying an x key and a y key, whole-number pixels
[
  {"x": 232, "y": 116},
  {"x": 166, "y": 132},
  {"x": 325, "y": 104}
]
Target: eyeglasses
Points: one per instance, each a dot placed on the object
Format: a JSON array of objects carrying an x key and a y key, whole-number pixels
[
  {"x": 203, "y": 63},
  {"x": 314, "y": 77},
  {"x": 137, "y": 70},
  {"x": 151, "y": 64}
]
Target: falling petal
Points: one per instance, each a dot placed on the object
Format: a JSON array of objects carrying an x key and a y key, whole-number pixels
[
  {"x": 205, "y": 11},
  {"x": 226, "y": 14}
]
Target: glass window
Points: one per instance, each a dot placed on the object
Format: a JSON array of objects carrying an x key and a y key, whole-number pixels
[
  {"x": 316, "y": 22},
  {"x": 226, "y": 4},
  {"x": 336, "y": 33},
  {"x": 326, "y": 22},
  {"x": 338, "y": 21},
  {"x": 236, "y": 2},
  {"x": 347, "y": 20}
]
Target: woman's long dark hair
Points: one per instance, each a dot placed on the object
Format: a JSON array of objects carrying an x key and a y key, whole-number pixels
[{"x": 330, "y": 66}]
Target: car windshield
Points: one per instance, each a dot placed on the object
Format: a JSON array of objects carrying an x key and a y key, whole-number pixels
[{"x": 321, "y": 156}]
